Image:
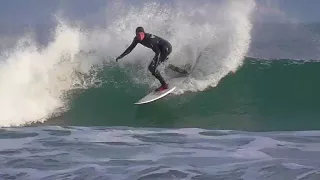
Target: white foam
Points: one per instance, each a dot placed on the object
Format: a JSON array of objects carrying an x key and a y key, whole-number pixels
[
  {"x": 33, "y": 80},
  {"x": 294, "y": 166},
  {"x": 224, "y": 41}
]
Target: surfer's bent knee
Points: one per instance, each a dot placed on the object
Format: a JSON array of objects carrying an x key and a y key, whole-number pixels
[{"x": 152, "y": 68}]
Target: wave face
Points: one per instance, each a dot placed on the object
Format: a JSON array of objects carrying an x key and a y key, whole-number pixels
[
  {"x": 36, "y": 80},
  {"x": 262, "y": 95}
]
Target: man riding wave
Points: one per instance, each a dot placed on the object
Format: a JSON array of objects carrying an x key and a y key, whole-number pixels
[{"x": 161, "y": 47}]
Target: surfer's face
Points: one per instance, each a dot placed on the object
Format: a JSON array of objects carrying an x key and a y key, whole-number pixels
[{"x": 140, "y": 36}]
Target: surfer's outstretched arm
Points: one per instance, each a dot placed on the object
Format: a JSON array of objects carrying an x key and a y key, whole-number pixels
[{"x": 129, "y": 49}]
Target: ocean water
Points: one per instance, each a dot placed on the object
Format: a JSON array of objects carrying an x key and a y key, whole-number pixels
[
  {"x": 248, "y": 110},
  {"x": 138, "y": 153}
]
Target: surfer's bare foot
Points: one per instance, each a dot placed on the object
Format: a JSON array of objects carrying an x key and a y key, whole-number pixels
[{"x": 162, "y": 87}]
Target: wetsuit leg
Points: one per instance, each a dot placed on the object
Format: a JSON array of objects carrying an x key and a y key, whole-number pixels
[
  {"x": 153, "y": 69},
  {"x": 177, "y": 69},
  {"x": 165, "y": 52}
]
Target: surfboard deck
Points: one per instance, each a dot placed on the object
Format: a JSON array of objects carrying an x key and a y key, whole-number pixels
[{"x": 153, "y": 95}]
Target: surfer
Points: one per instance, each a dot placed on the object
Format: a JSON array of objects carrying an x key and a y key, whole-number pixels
[{"x": 161, "y": 47}]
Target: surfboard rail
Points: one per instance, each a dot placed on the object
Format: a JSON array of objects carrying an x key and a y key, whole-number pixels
[{"x": 153, "y": 95}]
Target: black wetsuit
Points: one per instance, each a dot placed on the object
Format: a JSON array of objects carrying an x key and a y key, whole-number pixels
[{"x": 161, "y": 47}]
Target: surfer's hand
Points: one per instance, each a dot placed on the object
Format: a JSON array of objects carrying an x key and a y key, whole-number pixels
[{"x": 118, "y": 58}]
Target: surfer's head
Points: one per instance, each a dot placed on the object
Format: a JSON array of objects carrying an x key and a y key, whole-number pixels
[{"x": 140, "y": 33}]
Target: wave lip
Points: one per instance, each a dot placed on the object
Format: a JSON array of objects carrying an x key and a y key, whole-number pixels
[
  {"x": 33, "y": 80},
  {"x": 226, "y": 51}
]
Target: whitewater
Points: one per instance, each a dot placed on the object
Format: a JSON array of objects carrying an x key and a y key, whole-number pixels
[{"x": 35, "y": 79}]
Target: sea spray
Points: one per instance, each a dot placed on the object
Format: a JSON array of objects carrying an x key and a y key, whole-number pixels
[
  {"x": 214, "y": 37},
  {"x": 33, "y": 80}
]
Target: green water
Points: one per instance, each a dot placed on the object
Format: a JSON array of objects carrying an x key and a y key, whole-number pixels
[{"x": 263, "y": 95}]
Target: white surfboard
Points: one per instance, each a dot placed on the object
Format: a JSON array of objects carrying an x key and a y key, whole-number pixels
[{"x": 153, "y": 96}]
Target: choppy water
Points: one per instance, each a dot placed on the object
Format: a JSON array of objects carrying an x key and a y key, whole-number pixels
[{"x": 128, "y": 153}]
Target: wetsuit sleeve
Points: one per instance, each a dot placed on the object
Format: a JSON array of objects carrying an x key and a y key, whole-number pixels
[{"x": 130, "y": 48}]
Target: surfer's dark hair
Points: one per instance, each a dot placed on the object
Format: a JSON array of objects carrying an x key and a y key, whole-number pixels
[{"x": 139, "y": 29}]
